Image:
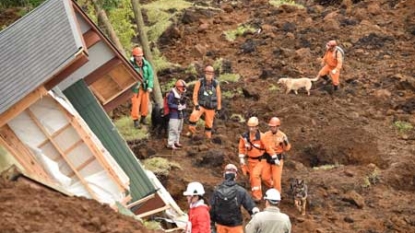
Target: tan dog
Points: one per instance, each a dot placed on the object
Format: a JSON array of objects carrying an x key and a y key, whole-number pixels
[
  {"x": 295, "y": 84},
  {"x": 299, "y": 192}
]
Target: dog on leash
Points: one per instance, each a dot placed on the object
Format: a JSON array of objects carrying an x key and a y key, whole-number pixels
[
  {"x": 292, "y": 84},
  {"x": 299, "y": 192}
]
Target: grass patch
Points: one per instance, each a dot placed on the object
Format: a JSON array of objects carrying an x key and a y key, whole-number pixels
[
  {"x": 403, "y": 126},
  {"x": 229, "y": 78},
  {"x": 240, "y": 118},
  {"x": 232, "y": 93},
  {"x": 231, "y": 35},
  {"x": 160, "y": 61},
  {"x": 126, "y": 128},
  {"x": 191, "y": 70},
  {"x": 159, "y": 14},
  {"x": 160, "y": 165},
  {"x": 152, "y": 225},
  {"x": 278, "y": 3},
  {"x": 327, "y": 167},
  {"x": 274, "y": 88}
]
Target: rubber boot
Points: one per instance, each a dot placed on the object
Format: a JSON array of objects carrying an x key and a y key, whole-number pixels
[
  {"x": 143, "y": 120},
  {"x": 137, "y": 124}
]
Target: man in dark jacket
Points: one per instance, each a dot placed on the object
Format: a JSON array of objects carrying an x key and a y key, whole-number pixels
[{"x": 226, "y": 202}]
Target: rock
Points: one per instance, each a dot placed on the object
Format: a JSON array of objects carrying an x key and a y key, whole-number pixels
[
  {"x": 250, "y": 92},
  {"x": 382, "y": 94},
  {"x": 349, "y": 173},
  {"x": 348, "y": 219},
  {"x": 374, "y": 8},
  {"x": 211, "y": 158},
  {"x": 354, "y": 198}
]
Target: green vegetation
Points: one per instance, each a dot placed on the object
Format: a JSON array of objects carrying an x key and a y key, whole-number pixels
[
  {"x": 233, "y": 34},
  {"x": 127, "y": 130},
  {"x": 285, "y": 2},
  {"x": 327, "y": 167},
  {"x": 274, "y": 88},
  {"x": 403, "y": 126},
  {"x": 120, "y": 17},
  {"x": 238, "y": 116},
  {"x": 160, "y": 166},
  {"x": 152, "y": 225},
  {"x": 229, "y": 77},
  {"x": 372, "y": 178},
  {"x": 160, "y": 62},
  {"x": 159, "y": 16}
]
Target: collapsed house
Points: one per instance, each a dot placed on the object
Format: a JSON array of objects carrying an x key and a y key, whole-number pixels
[{"x": 59, "y": 77}]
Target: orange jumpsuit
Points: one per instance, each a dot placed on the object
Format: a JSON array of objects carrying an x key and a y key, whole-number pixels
[
  {"x": 207, "y": 90},
  {"x": 332, "y": 60},
  {"x": 275, "y": 144},
  {"x": 254, "y": 149}
]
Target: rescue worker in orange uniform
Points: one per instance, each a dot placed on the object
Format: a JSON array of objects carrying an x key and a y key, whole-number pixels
[
  {"x": 251, "y": 146},
  {"x": 277, "y": 143},
  {"x": 332, "y": 63},
  {"x": 141, "y": 97},
  {"x": 207, "y": 100}
]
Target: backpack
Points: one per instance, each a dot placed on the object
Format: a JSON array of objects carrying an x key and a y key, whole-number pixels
[
  {"x": 339, "y": 49},
  {"x": 226, "y": 210},
  {"x": 166, "y": 109}
]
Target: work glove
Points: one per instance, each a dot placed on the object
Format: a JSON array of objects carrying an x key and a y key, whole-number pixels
[
  {"x": 197, "y": 107},
  {"x": 255, "y": 210},
  {"x": 149, "y": 89},
  {"x": 275, "y": 160},
  {"x": 334, "y": 71},
  {"x": 242, "y": 161},
  {"x": 180, "y": 107}
]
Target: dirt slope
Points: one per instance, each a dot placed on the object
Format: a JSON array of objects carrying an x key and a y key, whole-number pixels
[
  {"x": 372, "y": 184},
  {"x": 371, "y": 188}
]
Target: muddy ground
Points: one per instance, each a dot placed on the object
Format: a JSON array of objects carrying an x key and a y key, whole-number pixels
[
  {"x": 357, "y": 163},
  {"x": 372, "y": 184}
]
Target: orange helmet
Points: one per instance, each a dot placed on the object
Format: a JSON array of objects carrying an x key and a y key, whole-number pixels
[
  {"x": 209, "y": 69},
  {"x": 332, "y": 43},
  {"x": 230, "y": 168},
  {"x": 252, "y": 122},
  {"x": 137, "y": 51},
  {"x": 274, "y": 122},
  {"x": 180, "y": 85}
]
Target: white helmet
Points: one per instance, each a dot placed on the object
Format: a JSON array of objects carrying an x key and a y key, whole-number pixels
[
  {"x": 230, "y": 168},
  {"x": 194, "y": 189},
  {"x": 273, "y": 196}
]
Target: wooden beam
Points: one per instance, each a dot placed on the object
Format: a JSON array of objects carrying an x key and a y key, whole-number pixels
[
  {"x": 91, "y": 38},
  {"x": 21, "y": 153},
  {"x": 117, "y": 101},
  {"x": 75, "y": 122},
  {"x": 20, "y": 106},
  {"x": 118, "y": 54},
  {"x": 80, "y": 177},
  {"x": 96, "y": 152},
  {"x": 131, "y": 205},
  {"x": 80, "y": 60},
  {"x": 154, "y": 211},
  {"x": 102, "y": 70}
]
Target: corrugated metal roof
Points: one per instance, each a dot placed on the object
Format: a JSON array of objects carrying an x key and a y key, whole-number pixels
[
  {"x": 91, "y": 111},
  {"x": 34, "y": 48}
]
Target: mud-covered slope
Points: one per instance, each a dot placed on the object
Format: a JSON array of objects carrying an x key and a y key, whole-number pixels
[{"x": 370, "y": 182}]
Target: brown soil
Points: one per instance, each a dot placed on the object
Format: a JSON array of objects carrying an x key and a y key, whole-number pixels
[
  {"x": 371, "y": 188},
  {"x": 28, "y": 208},
  {"x": 373, "y": 184}
]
